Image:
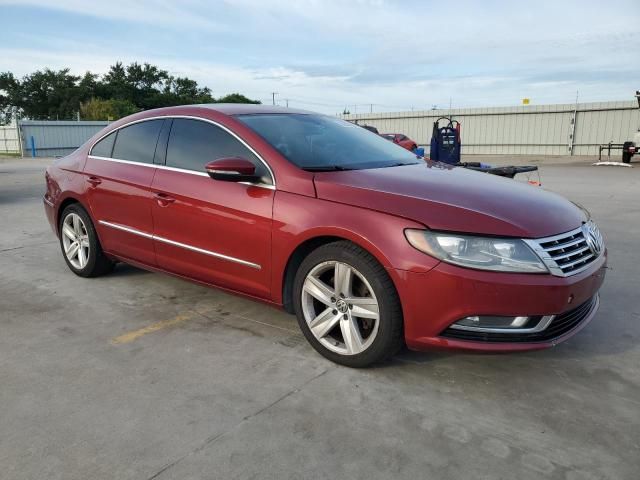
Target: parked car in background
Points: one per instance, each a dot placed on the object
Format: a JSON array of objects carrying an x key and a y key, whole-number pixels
[
  {"x": 401, "y": 140},
  {"x": 371, "y": 128},
  {"x": 371, "y": 247}
]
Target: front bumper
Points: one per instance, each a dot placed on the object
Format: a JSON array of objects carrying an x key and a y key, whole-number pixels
[{"x": 434, "y": 300}]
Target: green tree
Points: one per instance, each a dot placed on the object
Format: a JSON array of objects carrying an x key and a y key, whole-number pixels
[
  {"x": 115, "y": 84},
  {"x": 9, "y": 95},
  {"x": 99, "y": 109},
  {"x": 48, "y": 94},
  {"x": 145, "y": 83},
  {"x": 236, "y": 98},
  {"x": 44, "y": 94},
  {"x": 185, "y": 91},
  {"x": 88, "y": 85}
]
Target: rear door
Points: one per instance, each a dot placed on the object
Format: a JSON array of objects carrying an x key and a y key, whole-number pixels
[
  {"x": 119, "y": 171},
  {"x": 214, "y": 231}
]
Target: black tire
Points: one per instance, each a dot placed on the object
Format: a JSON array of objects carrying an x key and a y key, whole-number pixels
[
  {"x": 97, "y": 263},
  {"x": 390, "y": 336},
  {"x": 626, "y": 157}
]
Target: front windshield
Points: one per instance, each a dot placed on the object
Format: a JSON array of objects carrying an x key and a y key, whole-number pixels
[{"x": 318, "y": 142}]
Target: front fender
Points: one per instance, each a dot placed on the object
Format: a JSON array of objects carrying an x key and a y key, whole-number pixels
[{"x": 297, "y": 219}]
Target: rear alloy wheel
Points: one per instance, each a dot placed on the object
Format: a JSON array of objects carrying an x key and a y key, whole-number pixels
[
  {"x": 75, "y": 241},
  {"x": 80, "y": 245},
  {"x": 347, "y": 306}
]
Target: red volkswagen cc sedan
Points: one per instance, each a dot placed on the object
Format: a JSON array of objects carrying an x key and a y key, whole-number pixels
[{"x": 371, "y": 247}]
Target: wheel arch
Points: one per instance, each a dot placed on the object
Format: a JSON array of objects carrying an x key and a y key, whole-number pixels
[
  {"x": 70, "y": 200},
  {"x": 309, "y": 244}
]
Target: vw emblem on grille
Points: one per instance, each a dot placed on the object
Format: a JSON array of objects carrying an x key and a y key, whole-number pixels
[{"x": 593, "y": 238}]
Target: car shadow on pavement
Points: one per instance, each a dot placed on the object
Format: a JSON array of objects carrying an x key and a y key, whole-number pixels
[{"x": 126, "y": 270}]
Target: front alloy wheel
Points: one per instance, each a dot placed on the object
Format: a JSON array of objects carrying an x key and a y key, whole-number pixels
[
  {"x": 347, "y": 306},
  {"x": 340, "y": 308}
]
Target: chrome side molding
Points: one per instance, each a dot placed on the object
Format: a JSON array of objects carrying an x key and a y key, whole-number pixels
[{"x": 140, "y": 233}]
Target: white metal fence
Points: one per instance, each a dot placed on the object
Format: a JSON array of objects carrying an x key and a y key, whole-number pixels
[
  {"x": 570, "y": 129},
  {"x": 10, "y": 139},
  {"x": 51, "y": 138},
  {"x": 527, "y": 130}
]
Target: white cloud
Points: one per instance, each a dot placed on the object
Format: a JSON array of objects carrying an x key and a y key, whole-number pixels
[{"x": 393, "y": 54}]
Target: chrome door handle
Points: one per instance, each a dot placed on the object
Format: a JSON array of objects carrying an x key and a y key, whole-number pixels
[{"x": 163, "y": 199}]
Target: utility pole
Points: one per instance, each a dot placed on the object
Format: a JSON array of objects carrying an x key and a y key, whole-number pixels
[
  {"x": 573, "y": 125},
  {"x": 371, "y": 109},
  {"x": 273, "y": 97},
  {"x": 286, "y": 100}
]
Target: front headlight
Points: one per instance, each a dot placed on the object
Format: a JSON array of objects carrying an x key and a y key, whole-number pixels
[{"x": 484, "y": 253}]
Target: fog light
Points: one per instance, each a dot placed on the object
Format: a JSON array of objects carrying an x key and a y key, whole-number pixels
[{"x": 490, "y": 322}]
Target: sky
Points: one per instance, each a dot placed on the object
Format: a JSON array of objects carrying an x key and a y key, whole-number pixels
[{"x": 362, "y": 55}]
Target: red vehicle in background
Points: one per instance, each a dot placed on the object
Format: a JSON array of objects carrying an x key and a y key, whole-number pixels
[{"x": 400, "y": 139}]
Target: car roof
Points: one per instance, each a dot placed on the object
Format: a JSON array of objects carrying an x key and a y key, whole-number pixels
[{"x": 249, "y": 108}]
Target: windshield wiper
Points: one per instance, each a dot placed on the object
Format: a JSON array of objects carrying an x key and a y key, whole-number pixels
[
  {"x": 399, "y": 164},
  {"x": 326, "y": 168}
]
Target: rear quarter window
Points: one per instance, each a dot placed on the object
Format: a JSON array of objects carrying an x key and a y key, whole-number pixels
[
  {"x": 105, "y": 146},
  {"x": 137, "y": 142}
]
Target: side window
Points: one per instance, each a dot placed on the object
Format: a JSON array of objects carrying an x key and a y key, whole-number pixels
[
  {"x": 194, "y": 143},
  {"x": 137, "y": 142},
  {"x": 104, "y": 147}
]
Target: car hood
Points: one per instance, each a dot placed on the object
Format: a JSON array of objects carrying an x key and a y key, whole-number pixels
[{"x": 443, "y": 197}]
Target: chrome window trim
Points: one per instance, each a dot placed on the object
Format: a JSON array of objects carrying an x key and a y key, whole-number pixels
[
  {"x": 175, "y": 169},
  {"x": 182, "y": 170},
  {"x": 130, "y": 162},
  {"x": 542, "y": 325},
  {"x": 189, "y": 117},
  {"x": 133, "y": 231}
]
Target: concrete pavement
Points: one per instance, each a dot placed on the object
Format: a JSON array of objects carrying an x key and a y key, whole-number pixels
[{"x": 139, "y": 375}]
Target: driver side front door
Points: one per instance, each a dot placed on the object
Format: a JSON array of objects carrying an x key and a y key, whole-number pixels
[{"x": 213, "y": 231}]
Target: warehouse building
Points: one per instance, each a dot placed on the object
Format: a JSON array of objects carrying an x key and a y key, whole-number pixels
[{"x": 562, "y": 129}]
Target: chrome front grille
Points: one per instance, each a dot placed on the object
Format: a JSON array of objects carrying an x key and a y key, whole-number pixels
[{"x": 572, "y": 252}]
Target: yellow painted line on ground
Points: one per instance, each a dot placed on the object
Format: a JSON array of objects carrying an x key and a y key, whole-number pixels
[{"x": 154, "y": 327}]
